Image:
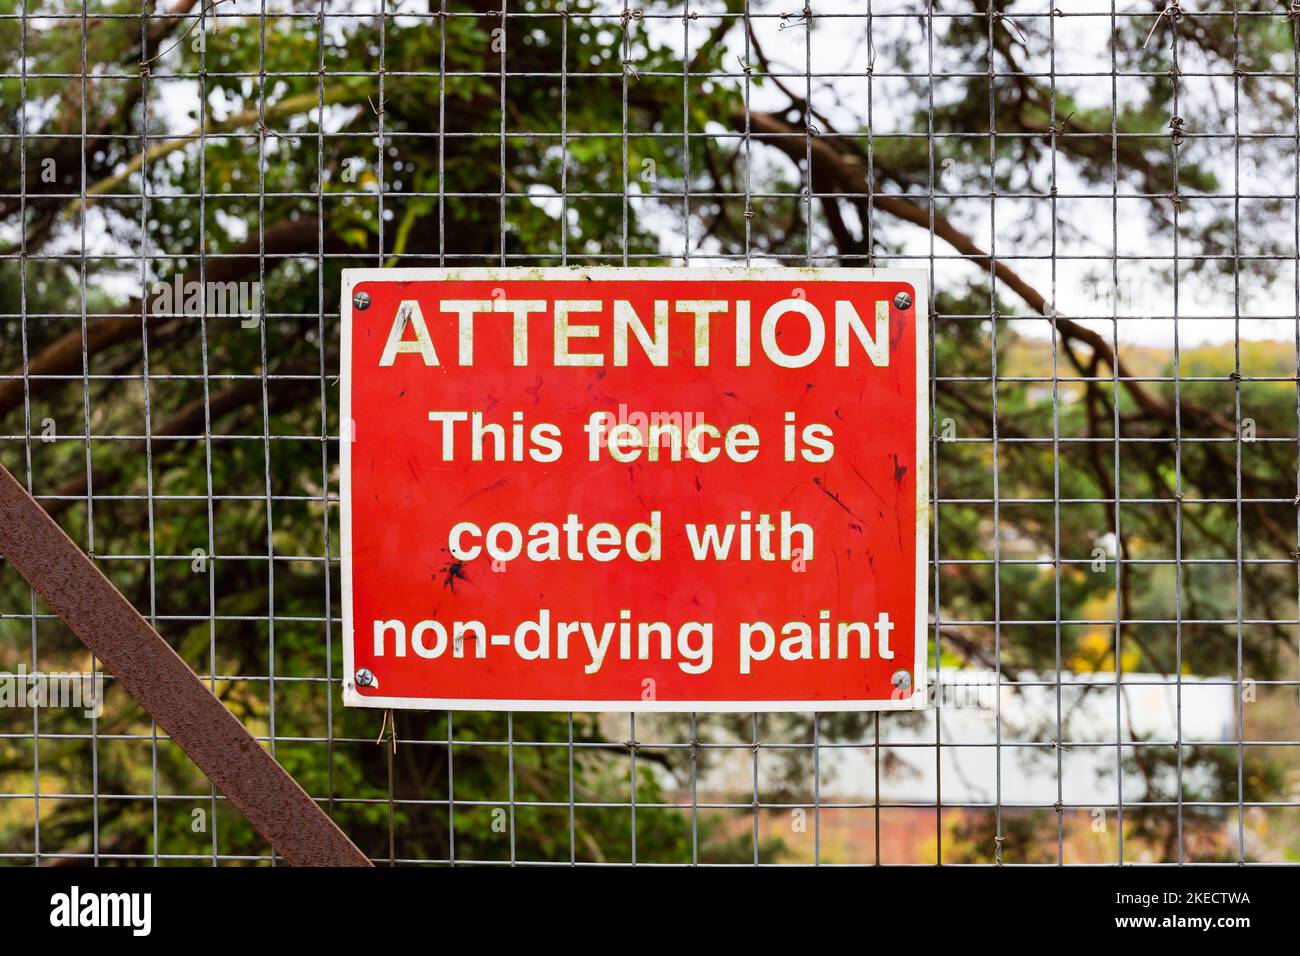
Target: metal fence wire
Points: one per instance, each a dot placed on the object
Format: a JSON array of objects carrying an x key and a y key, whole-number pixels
[{"x": 1106, "y": 197}]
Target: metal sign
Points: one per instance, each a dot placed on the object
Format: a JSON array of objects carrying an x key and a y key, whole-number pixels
[{"x": 634, "y": 489}]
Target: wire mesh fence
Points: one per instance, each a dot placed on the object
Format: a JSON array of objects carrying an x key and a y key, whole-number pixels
[{"x": 1106, "y": 197}]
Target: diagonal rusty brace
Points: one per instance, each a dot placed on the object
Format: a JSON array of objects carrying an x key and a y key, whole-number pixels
[{"x": 156, "y": 676}]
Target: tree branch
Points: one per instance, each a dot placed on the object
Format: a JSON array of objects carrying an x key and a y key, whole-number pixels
[
  {"x": 833, "y": 171},
  {"x": 63, "y": 356}
]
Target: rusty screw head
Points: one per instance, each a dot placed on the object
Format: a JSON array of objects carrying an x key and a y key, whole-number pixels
[
  {"x": 903, "y": 300},
  {"x": 361, "y": 300},
  {"x": 365, "y": 678},
  {"x": 902, "y": 680}
]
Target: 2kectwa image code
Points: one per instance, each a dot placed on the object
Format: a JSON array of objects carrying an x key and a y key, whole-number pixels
[{"x": 635, "y": 489}]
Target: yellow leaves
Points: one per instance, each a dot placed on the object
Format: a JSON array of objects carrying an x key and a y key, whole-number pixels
[
  {"x": 1096, "y": 652},
  {"x": 355, "y": 236}
]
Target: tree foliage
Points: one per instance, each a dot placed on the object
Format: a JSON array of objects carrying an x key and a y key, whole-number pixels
[{"x": 281, "y": 150}]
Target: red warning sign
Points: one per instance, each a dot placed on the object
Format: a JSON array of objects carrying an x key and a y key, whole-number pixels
[{"x": 634, "y": 489}]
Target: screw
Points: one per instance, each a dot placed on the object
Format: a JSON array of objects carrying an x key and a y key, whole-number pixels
[
  {"x": 361, "y": 300},
  {"x": 365, "y": 678},
  {"x": 902, "y": 300},
  {"x": 901, "y": 679}
]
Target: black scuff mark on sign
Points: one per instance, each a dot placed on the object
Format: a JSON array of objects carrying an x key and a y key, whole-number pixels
[
  {"x": 899, "y": 327},
  {"x": 900, "y": 470},
  {"x": 855, "y": 525},
  {"x": 535, "y": 391},
  {"x": 452, "y": 572},
  {"x": 487, "y": 489},
  {"x": 863, "y": 478},
  {"x": 896, "y": 337}
]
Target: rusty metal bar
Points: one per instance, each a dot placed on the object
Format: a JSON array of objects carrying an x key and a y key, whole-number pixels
[{"x": 157, "y": 677}]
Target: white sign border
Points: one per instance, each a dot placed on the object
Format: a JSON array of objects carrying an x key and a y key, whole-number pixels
[{"x": 917, "y": 278}]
